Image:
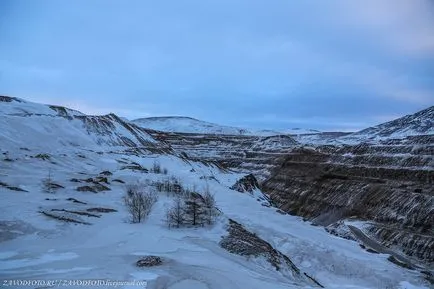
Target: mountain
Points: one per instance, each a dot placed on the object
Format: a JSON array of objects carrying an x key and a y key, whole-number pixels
[
  {"x": 420, "y": 123},
  {"x": 292, "y": 132},
  {"x": 184, "y": 124},
  {"x": 53, "y": 127},
  {"x": 187, "y": 125}
]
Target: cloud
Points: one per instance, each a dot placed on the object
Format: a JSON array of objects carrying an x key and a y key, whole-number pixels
[
  {"x": 405, "y": 26},
  {"x": 225, "y": 61}
]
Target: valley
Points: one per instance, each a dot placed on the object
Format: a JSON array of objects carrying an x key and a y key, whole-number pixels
[{"x": 332, "y": 210}]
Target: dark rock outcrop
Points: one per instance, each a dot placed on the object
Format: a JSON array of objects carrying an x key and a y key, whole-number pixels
[
  {"x": 246, "y": 184},
  {"x": 149, "y": 261},
  {"x": 95, "y": 188},
  {"x": 241, "y": 242}
]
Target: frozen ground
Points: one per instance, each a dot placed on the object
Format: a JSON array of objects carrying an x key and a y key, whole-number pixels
[
  {"x": 44, "y": 248},
  {"x": 35, "y": 143}
]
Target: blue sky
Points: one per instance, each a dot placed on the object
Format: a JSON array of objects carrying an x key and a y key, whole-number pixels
[{"x": 330, "y": 65}]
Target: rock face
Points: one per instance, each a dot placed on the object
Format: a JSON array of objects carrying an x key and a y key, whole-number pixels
[
  {"x": 389, "y": 184},
  {"x": 149, "y": 261},
  {"x": 246, "y": 184},
  {"x": 242, "y": 242}
]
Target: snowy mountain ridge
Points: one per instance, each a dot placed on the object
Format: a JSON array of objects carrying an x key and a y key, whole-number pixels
[
  {"x": 183, "y": 124},
  {"x": 186, "y": 125},
  {"x": 24, "y": 123},
  {"x": 419, "y": 123}
]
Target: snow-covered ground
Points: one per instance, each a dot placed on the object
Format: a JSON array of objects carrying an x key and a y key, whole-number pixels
[
  {"x": 46, "y": 249},
  {"x": 40, "y": 143}
]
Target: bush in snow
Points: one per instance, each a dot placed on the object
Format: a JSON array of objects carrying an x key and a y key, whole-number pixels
[
  {"x": 157, "y": 169},
  {"x": 192, "y": 209},
  {"x": 170, "y": 185},
  {"x": 139, "y": 203},
  {"x": 209, "y": 204},
  {"x": 175, "y": 214}
]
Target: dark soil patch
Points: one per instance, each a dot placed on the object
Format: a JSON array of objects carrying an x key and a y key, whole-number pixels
[{"x": 101, "y": 210}]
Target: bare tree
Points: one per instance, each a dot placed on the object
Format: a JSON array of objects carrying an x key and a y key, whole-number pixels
[
  {"x": 175, "y": 214},
  {"x": 48, "y": 184},
  {"x": 139, "y": 203},
  {"x": 209, "y": 203},
  {"x": 194, "y": 209}
]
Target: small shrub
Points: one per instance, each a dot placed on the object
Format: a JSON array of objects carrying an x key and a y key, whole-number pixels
[
  {"x": 157, "y": 169},
  {"x": 48, "y": 185},
  {"x": 139, "y": 203},
  {"x": 170, "y": 185}
]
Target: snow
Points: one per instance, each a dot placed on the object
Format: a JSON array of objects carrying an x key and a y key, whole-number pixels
[
  {"x": 406, "y": 285},
  {"x": 420, "y": 123},
  {"x": 47, "y": 249},
  {"x": 20, "y": 107},
  {"x": 188, "y": 284},
  {"x": 191, "y": 125},
  {"x": 186, "y": 125},
  {"x": 109, "y": 247},
  {"x": 46, "y": 258},
  {"x": 26, "y": 123}
]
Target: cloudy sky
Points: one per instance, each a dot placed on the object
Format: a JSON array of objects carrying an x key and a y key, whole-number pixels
[{"x": 336, "y": 64}]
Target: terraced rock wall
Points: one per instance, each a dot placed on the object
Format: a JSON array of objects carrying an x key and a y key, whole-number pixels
[{"x": 389, "y": 184}]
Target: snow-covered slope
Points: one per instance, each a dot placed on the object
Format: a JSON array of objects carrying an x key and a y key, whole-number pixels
[
  {"x": 49, "y": 127},
  {"x": 420, "y": 123},
  {"x": 191, "y": 125},
  {"x": 187, "y": 125}
]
